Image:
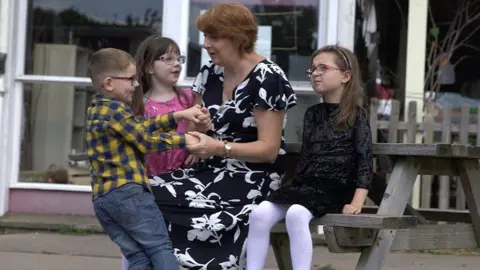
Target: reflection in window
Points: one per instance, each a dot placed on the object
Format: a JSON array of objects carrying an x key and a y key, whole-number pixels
[
  {"x": 54, "y": 127},
  {"x": 86, "y": 25},
  {"x": 61, "y": 36},
  {"x": 287, "y": 34}
]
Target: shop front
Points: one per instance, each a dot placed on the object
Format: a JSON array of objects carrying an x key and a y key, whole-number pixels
[{"x": 45, "y": 92}]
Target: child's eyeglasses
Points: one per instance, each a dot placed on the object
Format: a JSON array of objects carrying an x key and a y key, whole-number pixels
[
  {"x": 322, "y": 68},
  {"x": 170, "y": 58},
  {"x": 132, "y": 79}
]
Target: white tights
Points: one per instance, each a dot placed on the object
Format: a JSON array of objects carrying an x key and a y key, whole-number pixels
[{"x": 263, "y": 218}]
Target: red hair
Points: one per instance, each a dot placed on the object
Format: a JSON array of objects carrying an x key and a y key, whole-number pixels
[{"x": 233, "y": 21}]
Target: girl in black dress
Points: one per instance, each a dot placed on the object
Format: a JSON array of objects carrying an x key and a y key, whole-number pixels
[{"x": 335, "y": 167}]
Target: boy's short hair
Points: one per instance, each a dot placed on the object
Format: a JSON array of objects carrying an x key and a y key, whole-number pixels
[{"x": 106, "y": 61}]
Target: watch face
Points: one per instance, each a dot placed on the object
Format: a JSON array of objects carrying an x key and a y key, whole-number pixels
[{"x": 228, "y": 147}]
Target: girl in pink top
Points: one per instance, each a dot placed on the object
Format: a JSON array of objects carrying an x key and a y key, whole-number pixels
[{"x": 159, "y": 64}]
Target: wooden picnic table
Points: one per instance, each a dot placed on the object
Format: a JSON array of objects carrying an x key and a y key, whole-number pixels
[{"x": 409, "y": 160}]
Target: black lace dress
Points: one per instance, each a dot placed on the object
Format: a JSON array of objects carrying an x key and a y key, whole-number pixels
[{"x": 332, "y": 164}]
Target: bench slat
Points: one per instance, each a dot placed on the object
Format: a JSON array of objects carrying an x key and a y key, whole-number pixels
[
  {"x": 414, "y": 149},
  {"x": 445, "y": 236},
  {"x": 369, "y": 221}
]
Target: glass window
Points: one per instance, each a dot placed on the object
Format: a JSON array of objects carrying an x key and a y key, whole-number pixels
[
  {"x": 294, "y": 127},
  {"x": 287, "y": 34},
  {"x": 53, "y": 127},
  {"x": 61, "y": 33}
]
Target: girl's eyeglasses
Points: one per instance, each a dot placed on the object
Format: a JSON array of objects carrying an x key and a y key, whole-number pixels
[
  {"x": 132, "y": 79},
  {"x": 322, "y": 68},
  {"x": 170, "y": 58}
]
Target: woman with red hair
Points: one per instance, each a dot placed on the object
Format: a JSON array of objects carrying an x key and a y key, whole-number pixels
[{"x": 207, "y": 208}]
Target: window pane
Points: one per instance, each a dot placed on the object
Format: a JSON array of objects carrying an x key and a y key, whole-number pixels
[
  {"x": 61, "y": 33},
  {"x": 53, "y": 128},
  {"x": 294, "y": 128},
  {"x": 287, "y": 33}
]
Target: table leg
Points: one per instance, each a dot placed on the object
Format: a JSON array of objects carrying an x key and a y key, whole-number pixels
[
  {"x": 394, "y": 202},
  {"x": 377, "y": 189},
  {"x": 469, "y": 171}
]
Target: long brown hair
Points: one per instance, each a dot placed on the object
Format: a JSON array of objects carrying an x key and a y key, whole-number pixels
[
  {"x": 148, "y": 52},
  {"x": 347, "y": 62}
]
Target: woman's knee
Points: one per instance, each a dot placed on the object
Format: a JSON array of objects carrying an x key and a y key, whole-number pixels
[{"x": 297, "y": 214}]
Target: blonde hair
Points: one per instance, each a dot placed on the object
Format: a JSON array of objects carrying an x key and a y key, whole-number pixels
[{"x": 106, "y": 61}]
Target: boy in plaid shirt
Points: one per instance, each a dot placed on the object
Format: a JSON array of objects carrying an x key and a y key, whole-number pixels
[{"x": 116, "y": 141}]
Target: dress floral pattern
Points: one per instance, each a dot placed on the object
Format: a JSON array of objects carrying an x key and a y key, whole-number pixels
[{"x": 207, "y": 208}]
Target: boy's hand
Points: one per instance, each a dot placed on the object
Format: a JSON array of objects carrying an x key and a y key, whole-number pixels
[
  {"x": 191, "y": 140},
  {"x": 191, "y": 114},
  {"x": 352, "y": 209}
]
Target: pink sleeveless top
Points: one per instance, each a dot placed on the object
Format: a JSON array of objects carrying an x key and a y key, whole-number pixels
[{"x": 167, "y": 161}]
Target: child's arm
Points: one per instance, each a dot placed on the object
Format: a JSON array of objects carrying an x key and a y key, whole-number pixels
[
  {"x": 204, "y": 125},
  {"x": 364, "y": 160},
  {"x": 197, "y": 100},
  {"x": 148, "y": 134}
]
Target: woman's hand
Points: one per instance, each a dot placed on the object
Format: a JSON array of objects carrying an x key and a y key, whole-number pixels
[{"x": 206, "y": 147}]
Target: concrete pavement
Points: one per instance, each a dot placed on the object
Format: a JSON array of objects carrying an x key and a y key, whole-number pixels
[
  {"x": 36, "y": 261},
  {"x": 48, "y": 251}
]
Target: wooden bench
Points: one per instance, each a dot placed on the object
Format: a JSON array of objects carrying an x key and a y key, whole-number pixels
[
  {"x": 374, "y": 243},
  {"x": 343, "y": 233}
]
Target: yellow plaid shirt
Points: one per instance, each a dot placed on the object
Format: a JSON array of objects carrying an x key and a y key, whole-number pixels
[{"x": 116, "y": 141}]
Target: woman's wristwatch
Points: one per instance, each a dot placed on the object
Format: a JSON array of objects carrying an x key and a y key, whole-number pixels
[{"x": 227, "y": 148}]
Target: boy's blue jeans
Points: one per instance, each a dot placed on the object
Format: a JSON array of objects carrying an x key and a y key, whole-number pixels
[{"x": 133, "y": 221}]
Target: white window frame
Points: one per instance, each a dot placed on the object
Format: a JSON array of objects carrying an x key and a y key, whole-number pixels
[
  {"x": 7, "y": 8},
  {"x": 175, "y": 25}
]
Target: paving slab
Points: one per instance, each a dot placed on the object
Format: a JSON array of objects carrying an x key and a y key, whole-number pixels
[
  {"x": 37, "y": 261},
  {"x": 51, "y": 243},
  {"x": 46, "y": 222},
  {"x": 50, "y": 251}
]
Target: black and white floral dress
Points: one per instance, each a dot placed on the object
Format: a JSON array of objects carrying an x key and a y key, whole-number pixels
[{"x": 206, "y": 209}]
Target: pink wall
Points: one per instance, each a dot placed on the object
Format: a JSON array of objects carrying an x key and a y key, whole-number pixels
[{"x": 50, "y": 202}]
